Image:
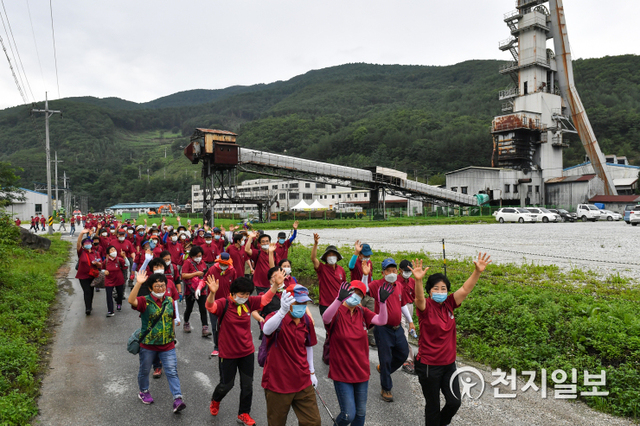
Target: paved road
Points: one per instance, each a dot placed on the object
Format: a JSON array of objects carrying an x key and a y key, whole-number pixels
[{"x": 92, "y": 381}]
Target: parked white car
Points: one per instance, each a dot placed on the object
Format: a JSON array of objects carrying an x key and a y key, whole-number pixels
[
  {"x": 634, "y": 216},
  {"x": 587, "y": 212},
  {"x": 516, "y": 214},
  {"x": 609, "y": 215},
  {"x": 545, "y": 215}
]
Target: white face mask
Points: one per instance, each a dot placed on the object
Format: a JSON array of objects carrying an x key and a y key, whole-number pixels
[
  {"x": 391, "y": 278},
  {"x": 224, "y": 267},
  {"x": 113, "y": 231},
  {"x": 113, "y": 254},
  {"x": 130, "y": 231},
  {"x": 207, "y": 241},
  {"x": 168, "y": 262},
  {"x": 406, "y": 275},
  {"x": 265, "y": 246},
  {"x": 331, "y": 260},
  {"x": 287, "y": 271},
  {"x": 241, "y": 300},
  {"x": 174, "y": 238},
  {"x": 158, "y": 271},
  {"x": 120, "y": 239},
  {"x": 158, "y": 295},
  {"x": 197, "y": 259}
]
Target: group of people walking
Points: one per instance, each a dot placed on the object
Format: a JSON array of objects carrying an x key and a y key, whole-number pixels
[{"x": 235, "y": 276}]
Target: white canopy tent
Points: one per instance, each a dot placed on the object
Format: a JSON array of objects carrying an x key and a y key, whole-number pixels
[
  {"x": 317, "y": 205},
  {"x": 301, "y": 206}
]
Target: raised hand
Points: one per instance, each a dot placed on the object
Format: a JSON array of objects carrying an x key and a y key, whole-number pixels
[
  {"x": 345, "y": 292},
  {"x": 366, "y": 268},
  {"x": 212, "y": 283},
  {"x": 272, "y": 247},
  {"x": 418, "y": 271},
  {"x": 278, "y": 278},
  {"x": 385, "y": 291},
  {"x": 286, "y": 301},
  {"x": 358, "y": 247},
  {"x": 295, "y": 225},
  {"x": 141, "y": 277},
  {"x": 483, "y": 260},
  {"x": 316, "y": 238}
]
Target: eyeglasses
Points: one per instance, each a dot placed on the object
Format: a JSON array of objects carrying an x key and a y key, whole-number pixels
[{"x": 159, "y": 286}]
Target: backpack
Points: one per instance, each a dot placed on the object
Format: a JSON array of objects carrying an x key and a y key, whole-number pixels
[
  {"x": 326, "y": 349},
  {"x": 267, "y": 342}
]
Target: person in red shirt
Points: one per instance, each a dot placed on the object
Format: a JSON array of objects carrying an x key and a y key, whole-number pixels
[
  {"x": 408, "y": 287},
  {"x": 113, "y": 267},
  {"x": 18, "y": 221},
  {"x": 283, "y": 243},
  {"x": 330, "y": 274},
  {"x": 43, "y": 221},
  {"x": 194, "y": 267},
  {"x": 393, "y": 348},
  {"x": 219, "y": 239},
  {"x": 436, "y": 360},
  {"x": 175, "y": 248},
  {"x": 349, "y": 360},
  {"x": 34, "y": 224},
  {"x": 125, "y": 250},
  {"x": 238, "y": 254},
  {"x": 97, "y": 247},
  {"x": 210, "y": 250},
  {"x": 289, "y": 375},
  {"x": 362, "y": 257},
  {"x": 225, "y": 274},
  {"x": 236, "y": 342},
  {"x": 261, "y": 259},
  {"x": 198, "y": 240},
  {"x": 89, "y": 263}
]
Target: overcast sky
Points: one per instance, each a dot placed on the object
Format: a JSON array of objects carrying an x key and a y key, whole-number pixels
[{"x": 141, "y": 50}]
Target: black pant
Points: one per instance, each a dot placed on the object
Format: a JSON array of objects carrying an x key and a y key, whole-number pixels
[
  {"x": 214, "y": 332},
  {"x": 433, "y": 379},
  {"x": 85, "y": 283},
  {"x": 191, "y": 300},
  {"x": 261, "y": 290},
  {"x": 119, "y": 295},
  {"x": 227, "y": 368}
]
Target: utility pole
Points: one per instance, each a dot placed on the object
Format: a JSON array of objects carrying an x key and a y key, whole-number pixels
[
  {"x": 48, "y": 113},
  {"x": 57, "y": 199}
]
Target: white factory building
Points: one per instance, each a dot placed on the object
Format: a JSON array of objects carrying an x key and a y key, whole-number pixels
[
  {"x": 287, "y": 194},
  {"x": 34, "y": 203}
]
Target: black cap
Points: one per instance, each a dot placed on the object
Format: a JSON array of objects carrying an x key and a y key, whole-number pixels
[
  {"x": 282, "y": 235},
  {"x": 405, "y": 265}
]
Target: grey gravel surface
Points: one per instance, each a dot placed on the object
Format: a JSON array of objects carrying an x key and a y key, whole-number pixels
[{"x": 92, "y": 379}]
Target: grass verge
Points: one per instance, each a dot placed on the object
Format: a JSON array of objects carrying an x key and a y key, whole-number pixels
[
  {"x": 531, "y": 317},
  {"x": 27, "y": 289}
]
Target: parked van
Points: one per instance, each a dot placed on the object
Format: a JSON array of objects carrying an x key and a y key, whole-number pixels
[{"x": 587, "y": 212}]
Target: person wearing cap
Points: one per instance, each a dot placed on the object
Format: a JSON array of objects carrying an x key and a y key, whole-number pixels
[
  {"x": 393, "y": 348},
  {"x": 223, "y": 272},
  {"x": 198, "y": 239},
  {"x": 89, "y": 262},
  {"x": 349, "y": 360},
  {"x": 237, "y": 253},
  {"x": 435, "y": 362},
  {"x": 362, "y": 255},
  {"x": 235, "y": 341},
  {"x": 289, "y": 375},
  {"x": 194, "y": 267},
  {"x": 175, "y": 248},
  {"x": 283, "y": 243},
  {"x": 330, "y": 274},
  {"x": 155, "y": 245},
  {"x": 210, "y": 250},
  {"x": 408, "y": 287},
  {"x": 260, "y": 258}
]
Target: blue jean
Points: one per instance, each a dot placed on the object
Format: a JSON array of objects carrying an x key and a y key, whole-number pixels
[
  {"x": 393, "y": 351},
  {"x": 352, "y": 398},
  {"x": 170, "y": 364}
]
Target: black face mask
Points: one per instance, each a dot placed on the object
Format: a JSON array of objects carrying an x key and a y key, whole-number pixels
[{"x": 96, "y": 244}]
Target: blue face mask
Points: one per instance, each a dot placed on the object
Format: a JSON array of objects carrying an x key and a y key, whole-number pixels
[
  {"x": 439, "y": 297},
  {"x": 87, "y": 246},
  {"x": 281, "y": 240},
  {"x": 353, "y": 300},
  {"x": 152, "y": 244},
  {"x": 297, "y": 311},
  {"x": 217, "y": 237}
]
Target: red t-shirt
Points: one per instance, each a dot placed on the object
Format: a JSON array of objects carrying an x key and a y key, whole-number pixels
[
  {"x": 437, "y": 341},
  {"x": 289, "y": 355},
  {"x": 395, "y": 302},
  {"x": 282, "y": 250},
  {"x": 84, "y": 263},
  {"x": 210, "y": 252},
  {"x": 261, "y": 260},
  {"x": 349, "y": 361},
  {"x": 190, "y": 267},
  {"x": 142, "y": 306},
  {"x": 239, "y": 258},
  {"x": 234, "y": 337},
  {"x": 225, "y": 278},
  {"x": 115, "y": 267},
  {"x": 409, "y": 288},
  {"x": 125, "y": 246},
  {"x": 356, "y": 272},
  {"x": 177, "y": 252},
  {"x": 329, "y": 281}
]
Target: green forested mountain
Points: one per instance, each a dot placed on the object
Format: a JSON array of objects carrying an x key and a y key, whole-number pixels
[{"x": 423, "y": 120}]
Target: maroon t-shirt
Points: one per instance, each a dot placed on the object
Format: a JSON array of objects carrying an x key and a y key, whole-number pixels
[
  {"x": 349, "y": 361},
  {"x": 115, "y": 267},
  {"x": 356, "y": 272},
  {"x": 210, "y": 252},
  {"x": 177, "y": 252},
  {"x": 282, "y": 250},
  {"x": 329, "y": 281},
  {"x": 395, "y": 302},
  {"x": 239, "y": 257},
  {"x": 289, "y": 354},
  {"x": 261, "y": 260},
  {"x": 125, "y": 246},
  {"x": 190, "y": 267},
  {"x": 234, "y": 337},
  {"x": 84, "y": 263},
  {"x": 409, "y": 288},
  {"x": 225, "y": 278},
  {"x": 437, "y": 341}
]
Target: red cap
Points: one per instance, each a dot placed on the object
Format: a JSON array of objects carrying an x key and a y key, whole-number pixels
[{"x": 359, "y": 285}]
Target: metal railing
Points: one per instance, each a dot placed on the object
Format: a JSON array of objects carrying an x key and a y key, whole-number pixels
[
  {"x": 508, "y": 93},
  {"x": 507, "y": 42},
  {"x": 513, "y": 14}
]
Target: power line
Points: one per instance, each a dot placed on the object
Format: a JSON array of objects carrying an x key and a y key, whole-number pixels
[
  {"x": 17, "y": 50},
  {"x": 24, "y": 99},
  {"x": 12, "y": 54},
  {"x": 36, "y": 44},
  {"x": 55, "y": 55}
]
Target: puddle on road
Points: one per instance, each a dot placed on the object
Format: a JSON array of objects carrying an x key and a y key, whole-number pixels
[{"x": 64, "y": 284}]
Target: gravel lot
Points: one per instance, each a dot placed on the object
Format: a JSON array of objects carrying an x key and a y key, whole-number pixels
[{"x": 603, "y": 247}]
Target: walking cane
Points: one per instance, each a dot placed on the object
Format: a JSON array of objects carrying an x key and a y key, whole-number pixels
[{"x": 325, "y": 406}]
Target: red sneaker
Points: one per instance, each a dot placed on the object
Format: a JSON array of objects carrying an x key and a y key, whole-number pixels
[
  {"x": 214, "y": 407},
  {"x": 246, "y": 419},
  {"x": 215, "y": 353},
  {"x": 157, "y": 373}
]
